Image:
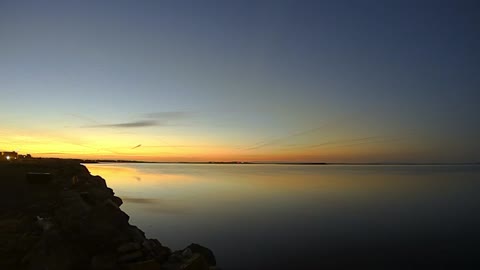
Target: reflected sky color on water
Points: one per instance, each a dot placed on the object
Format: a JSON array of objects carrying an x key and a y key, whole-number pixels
[{"x": 278, "y": 215}]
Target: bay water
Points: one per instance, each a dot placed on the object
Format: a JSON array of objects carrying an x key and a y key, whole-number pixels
[{"x": 260, "y": 216}]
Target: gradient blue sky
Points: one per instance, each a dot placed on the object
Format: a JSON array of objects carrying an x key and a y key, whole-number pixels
[{"x": 335, "y": 81}]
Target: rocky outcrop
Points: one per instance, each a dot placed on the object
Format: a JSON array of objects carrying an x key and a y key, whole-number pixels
[
  {"x": 88, "y": 230},
  {"x": 189, "y": 259},
  {"x": 205, "y": 252}
]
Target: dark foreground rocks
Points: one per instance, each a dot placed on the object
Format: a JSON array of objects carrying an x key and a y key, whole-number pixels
[{"x": 81, "y": 226}]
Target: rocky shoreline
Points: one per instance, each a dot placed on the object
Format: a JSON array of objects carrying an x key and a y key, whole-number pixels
[{"x": 74, "y": 221}]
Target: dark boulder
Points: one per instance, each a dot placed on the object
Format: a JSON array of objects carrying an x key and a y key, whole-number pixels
[
  {"x": 155, "y": 249},
  {"x": 131, "y": 257},
  {"x": 118, "y": 201},
  {"x": 100, "y": 194},
  {"x": 129, "y": 247},
  {"x": 136, "y": 234},
  {"x": 73, "y": 212},
  {"x": 106, "y": 225},
  {"x": 98, "y": 181},
  {"x": 195, "y": 262},
  {"x": 205, "y": 252}
]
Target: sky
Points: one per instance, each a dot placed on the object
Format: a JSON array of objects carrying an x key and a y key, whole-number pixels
[{"x": 297, "y": 81}]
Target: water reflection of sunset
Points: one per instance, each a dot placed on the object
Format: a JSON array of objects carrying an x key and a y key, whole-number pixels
[
  {"x": 127, "y": 175},
  {"x": 146, "y": 182}
]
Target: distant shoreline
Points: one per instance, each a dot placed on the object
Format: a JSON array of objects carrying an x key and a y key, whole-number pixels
[{"x": 284, "y": 163}]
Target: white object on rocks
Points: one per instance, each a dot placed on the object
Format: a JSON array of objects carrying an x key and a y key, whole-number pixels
[{"x": 44, "y": 223}]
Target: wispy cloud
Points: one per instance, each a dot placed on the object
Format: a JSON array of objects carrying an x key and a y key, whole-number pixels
[
  {"x": 149, "y": 120},
  {"x": 134, "y": 124}
]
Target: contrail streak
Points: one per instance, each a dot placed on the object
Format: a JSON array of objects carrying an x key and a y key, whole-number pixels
[{"x": 135, "y": 147}]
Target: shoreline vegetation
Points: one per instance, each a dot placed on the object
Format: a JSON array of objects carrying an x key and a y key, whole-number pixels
[{"x": 56, "y": 215}]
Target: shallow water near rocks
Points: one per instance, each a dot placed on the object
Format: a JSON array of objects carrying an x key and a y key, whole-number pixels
[{"x": 305, "y": 216}]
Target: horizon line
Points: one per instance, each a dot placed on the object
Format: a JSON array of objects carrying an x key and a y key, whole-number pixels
[{"x": 276, "y": 162}]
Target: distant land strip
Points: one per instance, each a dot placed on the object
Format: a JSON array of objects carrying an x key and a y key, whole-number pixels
[{"x": 278, "y": 163}]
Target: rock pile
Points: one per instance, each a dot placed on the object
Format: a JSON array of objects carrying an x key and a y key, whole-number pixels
[{"x": 88, "y": 230}]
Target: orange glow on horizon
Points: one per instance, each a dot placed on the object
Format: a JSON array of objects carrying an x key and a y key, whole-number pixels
[{"x": 122, "y": 146}]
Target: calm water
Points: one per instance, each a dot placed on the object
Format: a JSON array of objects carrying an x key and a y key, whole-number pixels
[{"x": 307, "y": 217}]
